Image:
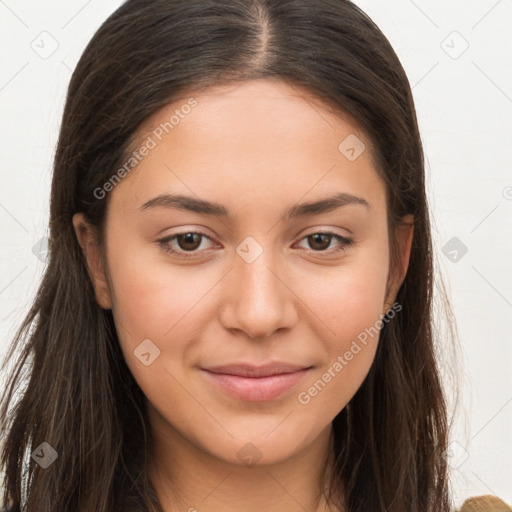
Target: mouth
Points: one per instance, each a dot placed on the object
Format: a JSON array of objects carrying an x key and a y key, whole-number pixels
[{"x": 256, "y": 384}]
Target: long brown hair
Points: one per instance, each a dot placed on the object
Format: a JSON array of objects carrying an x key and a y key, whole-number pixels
[{"x": 78, "y": 394}]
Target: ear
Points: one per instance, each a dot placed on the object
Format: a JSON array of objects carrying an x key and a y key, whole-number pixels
[
  {"x": 404, "y": 233},
  {"x": 88, "y": 240}
]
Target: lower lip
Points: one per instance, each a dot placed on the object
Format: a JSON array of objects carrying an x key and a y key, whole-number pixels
[{"x": 256, "y": 389}]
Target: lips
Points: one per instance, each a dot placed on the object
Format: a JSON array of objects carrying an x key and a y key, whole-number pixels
[
  {"x": 256, "y": 383},
  {"x": 248, "y": 370}
]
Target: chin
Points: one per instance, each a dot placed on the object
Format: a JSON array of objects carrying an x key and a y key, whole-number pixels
[{"x": 273, "y": 443}]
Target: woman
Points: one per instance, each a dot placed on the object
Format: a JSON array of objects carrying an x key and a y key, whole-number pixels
[{"x": 236, "y": 313}]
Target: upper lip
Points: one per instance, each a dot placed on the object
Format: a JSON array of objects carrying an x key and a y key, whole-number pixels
[{"x": 250, "y": 370}]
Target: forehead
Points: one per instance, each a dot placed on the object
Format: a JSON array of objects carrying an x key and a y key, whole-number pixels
[{"x": 260, "y": 139}]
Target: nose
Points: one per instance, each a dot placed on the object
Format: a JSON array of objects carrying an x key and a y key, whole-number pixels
[{"x": 257, "y": 298}]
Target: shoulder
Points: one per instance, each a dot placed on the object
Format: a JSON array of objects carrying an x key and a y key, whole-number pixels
[{"x": 485, "y": 503}]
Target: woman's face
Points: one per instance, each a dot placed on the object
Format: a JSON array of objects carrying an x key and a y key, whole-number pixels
[{"x": 259, "y": 285}]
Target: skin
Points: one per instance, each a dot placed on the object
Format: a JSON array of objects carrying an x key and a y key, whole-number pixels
[{"x": 257, "y": 148}]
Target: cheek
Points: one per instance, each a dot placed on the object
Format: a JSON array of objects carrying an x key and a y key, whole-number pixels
[
  {"x": 348, "y": 298},
  {"x": 150, "y": 294},
  {"x": 165, "y": 306},
  {"x": 158, "y": 302},
  {"x": 349, "y": 306}
]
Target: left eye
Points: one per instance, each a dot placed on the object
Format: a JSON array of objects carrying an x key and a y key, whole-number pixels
[
  {"x": 188, "y": 243},
  {"x": 320, "y": 238}
]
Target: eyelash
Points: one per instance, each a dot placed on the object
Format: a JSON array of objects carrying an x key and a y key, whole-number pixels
[{"x": 346, "y": 243}]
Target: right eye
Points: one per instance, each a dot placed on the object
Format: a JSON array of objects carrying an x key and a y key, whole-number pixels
[{"x": 184, "y": 244}]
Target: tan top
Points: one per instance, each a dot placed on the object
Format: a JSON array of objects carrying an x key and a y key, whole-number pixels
[{"x": 485, "y": 503}]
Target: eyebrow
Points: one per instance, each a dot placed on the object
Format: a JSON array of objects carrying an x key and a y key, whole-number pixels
[{"x": 193, "y": 204}]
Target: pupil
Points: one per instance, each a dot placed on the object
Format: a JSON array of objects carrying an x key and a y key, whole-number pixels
[
  {"x": 189, "y": 240},
  {"x": 317, "y": 238}
]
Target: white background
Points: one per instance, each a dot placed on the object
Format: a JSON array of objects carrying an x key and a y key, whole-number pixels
[{"x": 464, "y": 103}]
